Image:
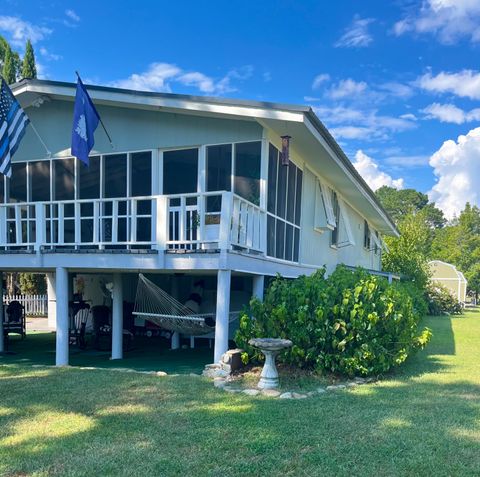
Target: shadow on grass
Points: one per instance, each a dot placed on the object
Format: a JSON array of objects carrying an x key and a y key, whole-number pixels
[{"x": 141, "y": 425}]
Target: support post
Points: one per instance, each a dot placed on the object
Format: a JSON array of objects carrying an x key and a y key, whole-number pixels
[
  {"x": 61, "y": 286},
  {"x": 258, "y": 286},
  {"x": 117, "y": 317},
  {"x": 2, "y": 336},
  {"x": 224, "y": 278},
  {"x": 52, "y": 301}
]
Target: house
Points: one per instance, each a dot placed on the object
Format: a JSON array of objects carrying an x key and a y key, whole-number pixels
[
  {"x": 194, "y": 190},
  {"x": 448, "y": 276}
]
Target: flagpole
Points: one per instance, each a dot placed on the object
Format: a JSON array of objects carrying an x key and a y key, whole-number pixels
[
  {"x": 99, "y": 118},
  {"x": 49, "y": 154}
]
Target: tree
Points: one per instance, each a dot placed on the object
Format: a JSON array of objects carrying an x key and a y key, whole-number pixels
[
  {"x": 29, "y": 69},
  {"x": 32, "y": 284},
  {"x": 400, "y": 203},
  {"x": 408, "y": 253},
  {"x": 8, "y": 71}
]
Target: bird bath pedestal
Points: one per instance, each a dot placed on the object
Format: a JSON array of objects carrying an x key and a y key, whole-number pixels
[{"x": 270, "y": 347}]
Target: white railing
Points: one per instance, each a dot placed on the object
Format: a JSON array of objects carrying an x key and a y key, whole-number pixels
[
  {"x": 196, "y": 221},
  {"x": 34, "y": 305}
]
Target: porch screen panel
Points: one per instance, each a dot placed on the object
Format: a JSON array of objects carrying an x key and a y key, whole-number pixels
[
  {"x": 39, "y": 175},
  {"x": 141, "y": 185},
  {"x": 219, "y": 173},
  {"x": 2, "y": 189},
  {"x": 180, "y": 171},
  {"x": 89, "y": 179},
  {"x": 247, "y": 171},
  {"x": 18, "y": 182},
  {"x": 64, "y": 179},
  {"x": 283, "y": 208},
  {"x": 115, "y": 175}
]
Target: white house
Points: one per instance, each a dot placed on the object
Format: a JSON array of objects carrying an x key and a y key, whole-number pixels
[{"x": 194, "y": 188}]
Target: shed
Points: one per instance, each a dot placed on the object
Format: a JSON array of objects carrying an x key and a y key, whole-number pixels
[{"x": 452, "y": 279}]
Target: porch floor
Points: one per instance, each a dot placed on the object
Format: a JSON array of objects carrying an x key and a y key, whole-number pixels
[{"x": 147, "y": 354}]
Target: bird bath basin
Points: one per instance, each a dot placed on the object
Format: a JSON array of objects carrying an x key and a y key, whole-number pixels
[{"x": 270, "y": 347}]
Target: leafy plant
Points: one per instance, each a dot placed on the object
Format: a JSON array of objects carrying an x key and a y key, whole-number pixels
[
  {"x": 441, "y": 301},
  {"x": 350, "y": 323}
]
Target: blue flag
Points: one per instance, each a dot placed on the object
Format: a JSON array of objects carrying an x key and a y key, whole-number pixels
[{"x": 85, "y": 121}]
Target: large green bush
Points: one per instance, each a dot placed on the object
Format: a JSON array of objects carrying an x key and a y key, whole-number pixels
[
  {"x": 350, "y": 323},
  {"x": 441, "y": 301}
]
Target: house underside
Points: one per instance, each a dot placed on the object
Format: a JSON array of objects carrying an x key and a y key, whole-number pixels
[{"x": 201, "y": 196}]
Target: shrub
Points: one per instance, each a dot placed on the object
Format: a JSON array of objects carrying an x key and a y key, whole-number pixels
[
  {"x": 441, "y": 301},
  {"x": 350, "y": 323}
]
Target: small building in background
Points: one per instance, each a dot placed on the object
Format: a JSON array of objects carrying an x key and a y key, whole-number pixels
[{"x": 452, "y": 279}]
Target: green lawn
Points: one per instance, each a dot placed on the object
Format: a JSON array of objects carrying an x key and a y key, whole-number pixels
[{"x": 424, "y": 420}]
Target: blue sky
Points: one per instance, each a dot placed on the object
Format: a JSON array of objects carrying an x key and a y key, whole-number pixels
[{"x": 396, "y": 82}]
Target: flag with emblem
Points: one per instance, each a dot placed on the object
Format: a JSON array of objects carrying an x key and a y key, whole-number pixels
[
  {"x": 13, "y": 123},
  {"x": 85, "y": 121}
]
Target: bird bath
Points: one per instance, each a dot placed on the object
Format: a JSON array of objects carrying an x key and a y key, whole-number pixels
[{"x": 270, "y": 347}]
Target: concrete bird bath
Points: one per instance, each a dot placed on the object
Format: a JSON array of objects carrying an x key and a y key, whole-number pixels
[{"x": 270, "y": 347}]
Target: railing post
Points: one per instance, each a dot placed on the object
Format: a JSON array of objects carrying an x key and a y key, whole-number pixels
[
  {"x": 78, "y": 223},
  {"x": 40, "y": 229},
  {"x": 225, "y": 221},
  {"x": 161, "y": 222},
  {"x": 18, "y": 225},
  {"x": 96, "y": 225}
]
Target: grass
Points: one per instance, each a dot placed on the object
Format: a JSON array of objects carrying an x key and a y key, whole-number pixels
[{"x": 423, "y": 420}]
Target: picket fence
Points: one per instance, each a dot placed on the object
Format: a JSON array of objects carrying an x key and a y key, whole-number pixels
[{"x": 35, "y": 305}]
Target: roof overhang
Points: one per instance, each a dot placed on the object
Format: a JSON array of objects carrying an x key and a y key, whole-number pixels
[{"x": 311, "y": 138}]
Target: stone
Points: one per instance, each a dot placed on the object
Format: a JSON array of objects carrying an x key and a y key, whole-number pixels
[
  {"x": 321, "y": 390},
  {"x": 219, "y": 382},
  {"x": 251, "y": 392},
  {"x": 360, "y": 380},
  {"x": 352, "y": 384},
  {"x": 214, "y": 371},
  {"x": 270, "y": 393},
  {"x": 336, "y": 387},
  {"x": 229, "y": 389},
  {"x": 287, "y": 395},
  {"x": 161, "y": 373},
  {"x": 311, "y": 393},
  {"x": 232, "y": 360},
  {"x": 298, "y": 396},
  {"x": 341, "y": 386}
]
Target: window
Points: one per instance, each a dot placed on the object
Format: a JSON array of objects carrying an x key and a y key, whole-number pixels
[
  {"x": 18, "y": 182},
  {"x": 39, "y": 174},
  {"x": 180, "y": 171},
  {"x": 89, "y": 179},
  {"x": 115, "y": 175},
  {"x": 366, "y": 235},
  {"x": 336, "y": 212},
  {"x": 247, "y": 170},
  {"x": 284, "y": 200},
  {"x": 377, "y": 249},
  {"x": 141, "y": 179},
  {"x": 64, "y": 179}
]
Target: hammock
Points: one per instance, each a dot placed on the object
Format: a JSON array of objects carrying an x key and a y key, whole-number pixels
[{"x": 154, "y": 304}]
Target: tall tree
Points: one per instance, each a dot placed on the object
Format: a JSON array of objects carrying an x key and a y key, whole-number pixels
[
  {"x": 400, "y": 203},
  {"x": 8, "y": 71},
  {"x": 29, "y": 69}
]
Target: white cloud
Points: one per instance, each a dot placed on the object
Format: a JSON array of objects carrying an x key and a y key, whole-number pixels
[
  {"x": 457, "y": 167},
  {"x": 372, "y": 175},
  {"x": 72, "y": 15},
  {"x": 160, "y": 76},
  {"x": 448, "y": 20},
  {"x": 19, "y": 31},
  {"x": 466, "y": 83},
  {"x": 404, "y": 162},
  {"x": 396, "y": 89},
  {"x": 350, "y": 123},
  {"x": 319, "y": 80},
  {"x": 449, "y": 113},
  {"x": 357, "y": 34},
  {"x": 347, "y": 88},
  {"x": 49, "y": 56}
]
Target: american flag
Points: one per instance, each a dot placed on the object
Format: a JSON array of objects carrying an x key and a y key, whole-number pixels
[{"x": 13, "y": 122}]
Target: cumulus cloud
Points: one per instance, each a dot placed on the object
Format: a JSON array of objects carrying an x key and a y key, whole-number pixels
[
  {"x": 72, "y": 15},
  {"x": 160, "y": 76},
  {"x": 449, "y": 113},
  {"x": 346, "y": 88},
  {"x": 49, "y": 56},
  {"x": 457, "y": 168},
  {"x": 319, "y": 80},
  {"x": 465, "y": 83},
  {"x": 357, "y": 34},
  {"x": 372, "y": 174},
  {"x": 448, "y": 20},
  {"x": 351, "y": 123},
  {"x": 19, "y": 31}
]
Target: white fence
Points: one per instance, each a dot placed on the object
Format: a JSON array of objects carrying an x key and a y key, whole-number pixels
[{"x": 35, "y": 305}]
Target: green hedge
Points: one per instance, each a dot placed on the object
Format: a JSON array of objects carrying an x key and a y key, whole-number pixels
[
  {"x": 350, "y": 323},
  {"x": 441, "y": 302}
]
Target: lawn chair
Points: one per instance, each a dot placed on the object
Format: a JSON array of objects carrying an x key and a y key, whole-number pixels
[
  {"x": 102, "y": 327},
  {"x": 14, "y": 320},
  {"x": 79, "y": 313}
]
